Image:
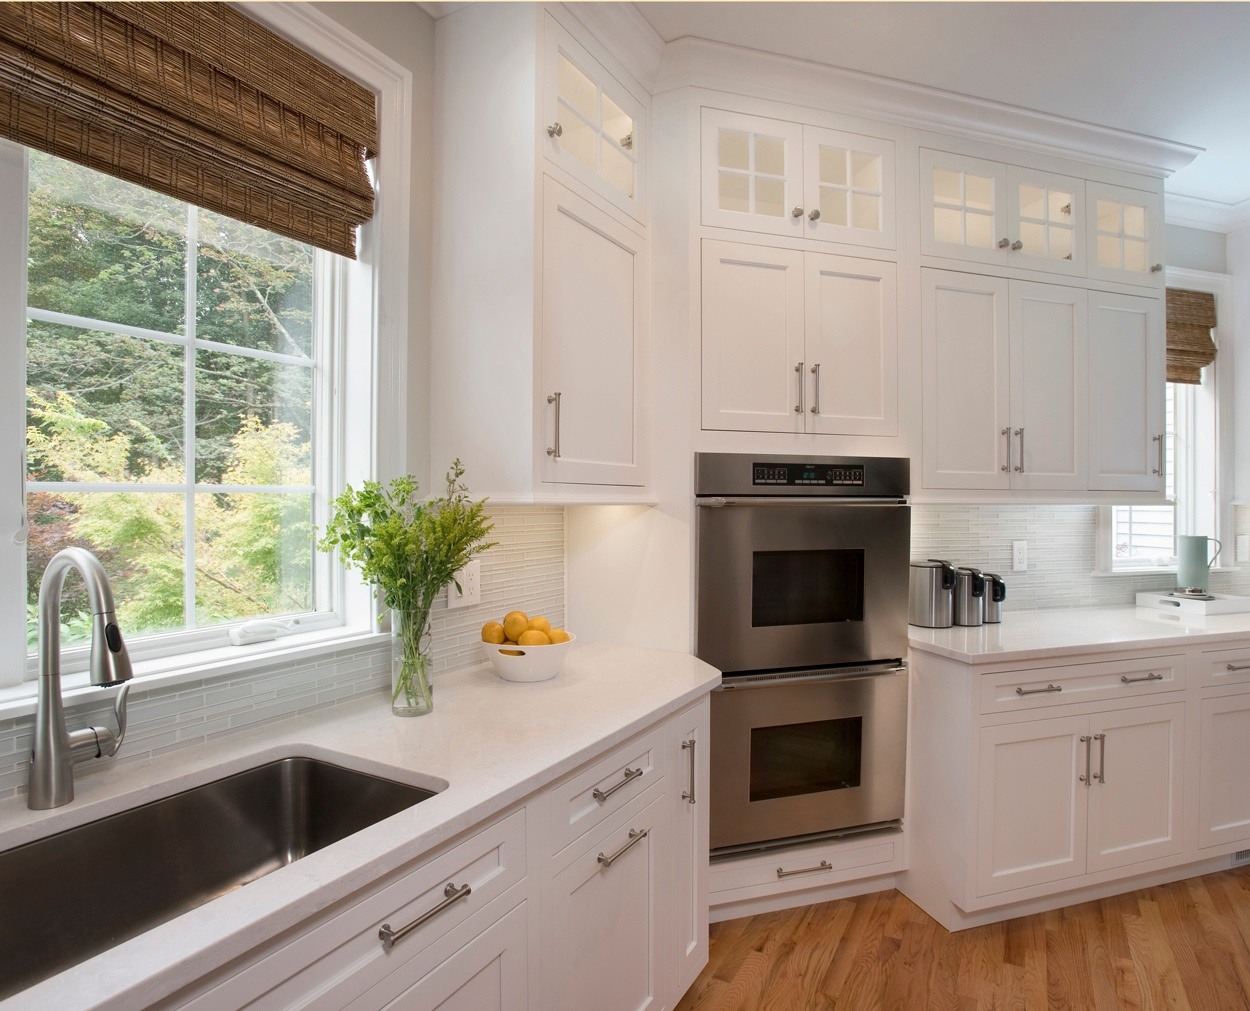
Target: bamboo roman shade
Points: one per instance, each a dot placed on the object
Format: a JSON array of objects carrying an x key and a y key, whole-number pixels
[
  {"x": 1190, "y": 317},
  {"x": 197, "y": 101}
]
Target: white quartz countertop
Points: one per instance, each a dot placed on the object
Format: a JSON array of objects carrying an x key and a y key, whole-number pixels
[
  {"x": 487, "y": 744},
  {"x": 1055, "y": 632}
]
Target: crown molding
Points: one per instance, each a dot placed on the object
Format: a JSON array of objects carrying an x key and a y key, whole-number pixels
[
  {"x": 622, "y": 28},
  {"x": 1210, "y": 215},
  {"x": 692, "y": 62}
]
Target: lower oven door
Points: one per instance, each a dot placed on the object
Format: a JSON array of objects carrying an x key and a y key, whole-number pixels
[{"x": 804, "y": 755}]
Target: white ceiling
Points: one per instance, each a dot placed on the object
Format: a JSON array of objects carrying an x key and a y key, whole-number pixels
[{"x": 1178, "y": 71}]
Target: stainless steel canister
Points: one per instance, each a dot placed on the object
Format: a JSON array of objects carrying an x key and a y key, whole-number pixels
[
  {"x": 995, "y": 594},
  {"x": 969, "y": 594},
  {"x": 932, "y": 594}
]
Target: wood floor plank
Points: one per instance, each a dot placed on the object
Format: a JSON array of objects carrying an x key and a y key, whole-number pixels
[{"x": 1178, "y": 946}]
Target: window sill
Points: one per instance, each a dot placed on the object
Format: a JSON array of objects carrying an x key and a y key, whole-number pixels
[
  {"x": 1156, "y": 570},
  {"x": 17, "y": 701}
]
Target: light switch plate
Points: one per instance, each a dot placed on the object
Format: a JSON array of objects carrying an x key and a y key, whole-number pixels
[{"x": 470, "y": 592}]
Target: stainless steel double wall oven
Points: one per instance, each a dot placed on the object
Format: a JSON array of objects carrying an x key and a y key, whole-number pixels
[{"x": 802, "y": 569}]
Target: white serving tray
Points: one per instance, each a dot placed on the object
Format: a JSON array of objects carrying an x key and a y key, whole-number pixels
[{"x": 1224, "y": 603}]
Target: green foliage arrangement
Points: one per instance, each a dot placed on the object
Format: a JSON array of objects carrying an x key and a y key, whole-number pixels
[{"x": 409, "y": 549}]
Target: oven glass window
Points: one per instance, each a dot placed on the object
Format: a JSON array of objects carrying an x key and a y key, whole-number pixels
[
  {"x": 806, "y": 587},
  {"x": 797, "y": 758}
]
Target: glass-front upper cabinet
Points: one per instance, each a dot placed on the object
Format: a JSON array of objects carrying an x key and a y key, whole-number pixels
[
  {"x": 594, "y": 128},
  {"x": 1045, "y": 221},
  {"x": 770, "y": 175},
  {"x": 963, "y": 207},
  {"x": 1125, "y": 234}
]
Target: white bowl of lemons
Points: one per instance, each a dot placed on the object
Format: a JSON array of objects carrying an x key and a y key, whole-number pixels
[{"x": 522, "y": 648}]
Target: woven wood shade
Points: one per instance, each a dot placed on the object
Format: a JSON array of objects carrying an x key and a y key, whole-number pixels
[
  {"x": 1191, "y": 315},
  {"x": 197, "y": 101}
]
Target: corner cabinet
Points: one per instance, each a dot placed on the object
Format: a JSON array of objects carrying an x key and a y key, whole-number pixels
[
  {"x": 798, "y": 342},
  {"x": 540, "y": 362}
]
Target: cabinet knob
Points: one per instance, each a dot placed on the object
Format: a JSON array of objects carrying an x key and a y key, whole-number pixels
[
  {"x": 555, "y": 130},
  {"x": 814, "y": 214},
  {"x": 1155, "y": 268},
  {"x": 1004, "y": 243},
  {"x": 797, "y": 212},
  {"x": 1017, "y": 245}
]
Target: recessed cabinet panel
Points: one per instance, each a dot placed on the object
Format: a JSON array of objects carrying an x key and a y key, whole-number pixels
[
  {"x": 966, "y": 433},
  {"x": 1048, "y": 367},
  {"x": 851, "y": 346},
  {"x": 594, "y": 327},
  {"x": 1224, "y": 793},
  {"x": 1126, "y": 379},
  {"x": 1032, "y": 808},
  {"x": 1135, "y": 809},
  {"x": 753, "y": 378}
]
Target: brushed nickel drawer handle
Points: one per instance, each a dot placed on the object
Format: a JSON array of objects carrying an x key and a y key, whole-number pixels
[
  {"x": 824, "y": 865},
  {"x": 1101, "y": 774},
  {"x": 635, "y": 836},
  {"x": 453, "y": 895},
  {"x": 602, "y": 795},
  {"x": 1125, "y": 679},
  {"x": 553, "y": 450},
  {"x": 1086, "y": 778},
  {"x": 1039, "y": 691},
  {"x": 1238, "y": 666},
  {"x": 688, "y": 795}
]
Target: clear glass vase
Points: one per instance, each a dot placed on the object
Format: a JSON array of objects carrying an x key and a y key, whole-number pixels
[{"x": 412, "y": 692}]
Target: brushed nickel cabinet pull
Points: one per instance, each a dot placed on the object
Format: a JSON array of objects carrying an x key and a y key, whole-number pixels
[
  {"x": 1006, "y": 467},
  {"x": 1039, "y": 691},
  {"x": 1158, "y": 440},
  {"x": 816, "y": 388},
  {"x": 1125, "y": 679},
  {"x": 453, "y": 895},
  {"x": 553, "y": 450},
  {"x": 602, "y": 795},
  {"x": 1086, "y": 741},
  {"x": 1238, "y": 666},
  {"x": 555, "y": 130},
  {"x": 1101, "y": 774},
  {"x": 798, "y": 408},
  {"x": 824, "y": 865},
  {"x": 634, "y": 837},
  {"x": 688, "y": 795},
  {"x": 1020, "y": 465}
]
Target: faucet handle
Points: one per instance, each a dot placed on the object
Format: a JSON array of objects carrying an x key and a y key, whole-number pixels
[{"x": 108, "y": 741}]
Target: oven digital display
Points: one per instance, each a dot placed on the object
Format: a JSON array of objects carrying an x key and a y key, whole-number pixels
[{"x": 790, "y": 475}]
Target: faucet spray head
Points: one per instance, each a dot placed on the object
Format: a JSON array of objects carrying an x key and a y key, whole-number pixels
[{"x": 110, "y": 660}]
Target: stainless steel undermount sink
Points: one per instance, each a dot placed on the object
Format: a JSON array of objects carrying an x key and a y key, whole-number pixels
[{"x": 75, "y": 894}]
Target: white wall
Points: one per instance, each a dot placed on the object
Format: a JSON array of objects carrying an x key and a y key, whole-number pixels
[
  {"x": 1238, "y": 261},
  {"x": 1196, "y": 248}
]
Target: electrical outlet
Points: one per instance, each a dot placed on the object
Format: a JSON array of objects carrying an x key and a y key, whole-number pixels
[
  {"x": 470, "y": 592},
  {"x": 1243, "y": 547},
  {"x": 1019, "y": 556}
]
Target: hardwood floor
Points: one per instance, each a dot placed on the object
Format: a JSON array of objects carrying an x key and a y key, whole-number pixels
[{"x": 1183, "y": 945}]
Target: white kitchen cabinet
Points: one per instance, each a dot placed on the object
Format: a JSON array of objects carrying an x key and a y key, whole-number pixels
[
  {"x": 604, "y": 918},
  {"x": 1004, "y": 397},
  {"x": 1224, "y": 787},
  {"x": 690, "y": 883},
  {"x": 963, "y": 204},
  {"x": 1125, "y": 235},
  {"x": 1126, "y": 382},
  {"x": 1059, "y": 798},
  {"x": 784, "y": 178},
  {"x": 595, "y": 326},
  {"x": 540, "y": 278},
  {"x": 798, "y": 342},
  {"x": 593, "y": 127}
]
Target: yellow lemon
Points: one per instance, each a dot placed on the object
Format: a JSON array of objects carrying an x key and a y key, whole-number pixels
[
  {"x": 515, "y": 623},
  {"x": 533, "y": 637},
  {"x": 558, "y": 635},
  {"x": 540, "y": 624},
  {"x": 493, "y": 632}
]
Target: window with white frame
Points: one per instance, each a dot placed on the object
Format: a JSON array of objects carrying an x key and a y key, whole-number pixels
[{"x": 1143, "y": 537}]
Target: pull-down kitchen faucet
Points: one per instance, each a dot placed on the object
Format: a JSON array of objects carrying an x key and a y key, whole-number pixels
[{"x": 56, "y": 750}]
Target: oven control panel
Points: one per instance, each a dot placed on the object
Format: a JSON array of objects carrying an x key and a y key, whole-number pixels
[{"x": 790, "y": 475}]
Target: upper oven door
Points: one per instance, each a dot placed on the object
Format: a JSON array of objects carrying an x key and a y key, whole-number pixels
[{"x": 785, "y": 584}]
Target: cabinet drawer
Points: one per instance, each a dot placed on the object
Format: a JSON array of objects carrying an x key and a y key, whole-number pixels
[
  {"x": 1224, "y": 667},
  {"x": 342, "y": 956},
  {"x": 809, "y": 866},
  {"x": 586, "y": 798},
  {"x": 1086, "y": 682}
]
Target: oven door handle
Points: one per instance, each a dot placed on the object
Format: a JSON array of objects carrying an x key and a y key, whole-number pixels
[
  {"x": 719, "y": 502},
  {"x": 746, "y": 681}
]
